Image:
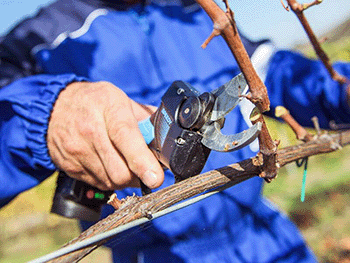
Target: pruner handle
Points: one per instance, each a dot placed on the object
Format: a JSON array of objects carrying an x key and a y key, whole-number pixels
[{"x": 77, "y": 199}]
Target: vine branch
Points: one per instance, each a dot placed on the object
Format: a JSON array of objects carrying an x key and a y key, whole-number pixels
[
  {"x": 298, "y": 10},
  {"x": 225, "y": 25},
  {"x": 135, "y": 207}
]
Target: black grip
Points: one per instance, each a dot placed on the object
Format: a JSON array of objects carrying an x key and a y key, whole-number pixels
[{"x": 77, "y": 199}]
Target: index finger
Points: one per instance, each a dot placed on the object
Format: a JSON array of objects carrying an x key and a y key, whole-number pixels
[{"x": 126, "y": 137}]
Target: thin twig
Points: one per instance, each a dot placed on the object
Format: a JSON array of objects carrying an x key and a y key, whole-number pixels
[
  {"x": 317, "y": 127},
  {"x": 300, "y": 132},
  {"x": 336, "y": 127},
  {"x": 224, "y": 25},
  {"x": 316, "y": 2},
  {"x": 284, "y": 6},
  {"x": 298, "y": 9}
]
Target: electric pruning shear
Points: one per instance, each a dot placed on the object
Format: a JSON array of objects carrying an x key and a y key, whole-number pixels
[{"x": 181, "y": 134}]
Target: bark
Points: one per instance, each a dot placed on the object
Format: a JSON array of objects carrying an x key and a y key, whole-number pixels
[
  {"x": 298, "y": 10},
  {"x": 136, "y": 207},
  {"x": 225, "y": 25},
  {"x": 267, "y": 149}
]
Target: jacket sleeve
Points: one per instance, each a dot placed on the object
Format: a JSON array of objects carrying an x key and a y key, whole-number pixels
[
  {"x": 306, "y": 89},
  {"x": 25, "y": 106},
  {"x": 27, "y": 97}
]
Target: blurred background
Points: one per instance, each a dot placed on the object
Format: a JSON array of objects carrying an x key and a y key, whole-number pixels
[{"x": 28, "y": 231}]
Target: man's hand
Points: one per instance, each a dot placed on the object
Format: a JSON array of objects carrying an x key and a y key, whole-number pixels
[{"x": 93, "y": 136}]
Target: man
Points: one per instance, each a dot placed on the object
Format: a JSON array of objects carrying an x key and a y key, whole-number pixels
[{"x": 74, "y": 79}]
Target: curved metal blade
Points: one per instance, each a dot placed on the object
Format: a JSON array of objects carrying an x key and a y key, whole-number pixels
[
  {"x": 228, "y": 96},
  {"x": 215, "y": 140}
]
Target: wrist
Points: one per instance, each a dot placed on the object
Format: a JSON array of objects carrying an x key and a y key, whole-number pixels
[{"x": 39, "y": 116}]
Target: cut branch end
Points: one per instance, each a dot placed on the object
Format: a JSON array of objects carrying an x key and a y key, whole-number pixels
[
  {"x": 284, "y": 6},
  {"x": 316, "y": 2},
  {"x": 255, "y": 115},
  {"x": 316, "y": 125},
  {"x": 281, "y": 111},
  {"x": 213, "y": 34},
  {"x": 114, "y": 201}
]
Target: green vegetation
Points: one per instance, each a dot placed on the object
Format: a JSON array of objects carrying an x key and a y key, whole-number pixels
[{"x": 337, "y": 51}]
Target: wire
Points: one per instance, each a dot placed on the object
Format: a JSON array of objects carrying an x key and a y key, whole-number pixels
[{"x": 114, "y": 232}]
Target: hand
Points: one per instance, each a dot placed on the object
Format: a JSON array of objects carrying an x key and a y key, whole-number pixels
[{"x": 93, "y": 136}]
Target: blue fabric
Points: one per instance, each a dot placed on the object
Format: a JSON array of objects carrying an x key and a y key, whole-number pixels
[
  {"x": 143, "y": 50},
  {"x": 26, "y": 105},
  {"x": 305, "y": 88}
]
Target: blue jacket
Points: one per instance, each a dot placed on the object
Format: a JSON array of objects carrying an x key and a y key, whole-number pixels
[{"x": 142, "y": 50}]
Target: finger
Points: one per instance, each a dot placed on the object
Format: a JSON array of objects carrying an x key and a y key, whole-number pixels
[
  {"x": 95, "y": 169},
  {"x": 80, "y": 161},
  {"x": 114, "y": 163},
  {"x": 92, "y": 160},
  {"x": 86, "y": 176},
  {"x": 127, "y": 138},
  {"x": 76, "y": 171},
  {"x": 142, "y": 111}
]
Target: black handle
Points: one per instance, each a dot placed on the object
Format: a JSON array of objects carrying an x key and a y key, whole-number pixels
[{"x": 77, "y": 199}]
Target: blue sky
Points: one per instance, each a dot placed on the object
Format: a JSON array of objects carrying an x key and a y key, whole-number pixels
[{"x": 256, "y": 18}]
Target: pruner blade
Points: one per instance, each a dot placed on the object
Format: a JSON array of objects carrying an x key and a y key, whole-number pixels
[
  {"x": 215, "y": 140},
  {"x": 226, "y": 99},
  {"x": 228, "y": 96}
]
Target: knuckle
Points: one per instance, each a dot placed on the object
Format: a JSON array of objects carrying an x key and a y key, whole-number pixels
[
  {"x": 88, "y": 130},
  {"x": 122, "y": 178},
  {"x": 119, "y": 131},
  {"x": 72, "y": 169},
  {"x": 95, "y": 92},
  {"x": 106, "y": 87},
  {"x": 73, "y": 148},
  {"x": 103, "y": 83},
  {"x": 139, "y": 165}
]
